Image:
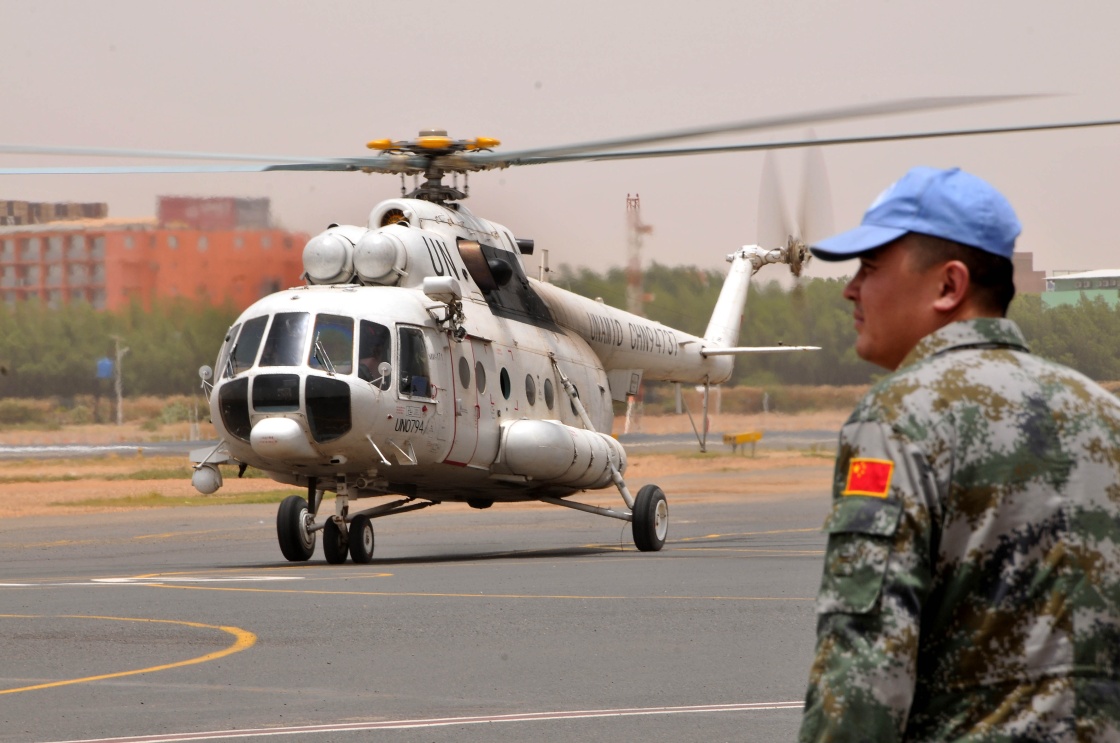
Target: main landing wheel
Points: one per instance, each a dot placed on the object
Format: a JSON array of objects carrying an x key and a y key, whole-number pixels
[
  {"x": 651, "y": 519},
  {"x": 296, "y": 542},
  {"x": 334, "y": 543},
  {"x": 361, "y": 540}
]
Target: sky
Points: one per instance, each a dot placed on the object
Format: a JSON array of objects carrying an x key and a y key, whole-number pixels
[{"x": 281, "y": 77}]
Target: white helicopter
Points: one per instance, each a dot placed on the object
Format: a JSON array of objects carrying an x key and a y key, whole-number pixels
[{"x": 421, "y": 363}]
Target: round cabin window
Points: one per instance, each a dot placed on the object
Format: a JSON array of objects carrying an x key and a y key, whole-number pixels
[
  {"x": 503, "y": 378},
  {"x": 479, "y": 377},
  {"x": 530, "y": 389},
  {"x": 549, "y": 397},
  {"x": 464, "y": 372}
]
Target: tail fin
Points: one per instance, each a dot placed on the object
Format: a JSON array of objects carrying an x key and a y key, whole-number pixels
[{"x": 723, "y": 328}]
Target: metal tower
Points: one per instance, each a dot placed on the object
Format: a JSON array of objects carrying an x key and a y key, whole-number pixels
[{"x": 634, "y": 294}]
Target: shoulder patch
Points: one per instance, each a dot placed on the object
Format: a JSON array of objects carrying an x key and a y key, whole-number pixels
[{"x": 869, "y": 477}]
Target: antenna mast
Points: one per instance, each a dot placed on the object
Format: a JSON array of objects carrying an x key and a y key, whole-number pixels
[{"x": 634, "y": 294}]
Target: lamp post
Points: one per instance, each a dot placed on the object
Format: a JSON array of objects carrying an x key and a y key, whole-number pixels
[{"x": 117, "y": 381}]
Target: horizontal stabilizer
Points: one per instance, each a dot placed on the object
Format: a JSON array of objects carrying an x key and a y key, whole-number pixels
[{"x": 754, "y": 349}]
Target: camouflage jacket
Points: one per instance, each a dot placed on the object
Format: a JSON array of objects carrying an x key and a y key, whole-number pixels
[{"x": 971, "y": 587}]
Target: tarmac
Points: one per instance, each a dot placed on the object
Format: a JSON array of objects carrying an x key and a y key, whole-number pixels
[{"x": 521, "y": 622}]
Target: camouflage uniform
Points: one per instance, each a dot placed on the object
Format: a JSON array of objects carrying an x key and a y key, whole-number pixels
[{"x": 978, "y": 599}]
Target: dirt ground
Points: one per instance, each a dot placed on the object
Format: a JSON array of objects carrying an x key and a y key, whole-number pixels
[{"x": 56, "y": 487}]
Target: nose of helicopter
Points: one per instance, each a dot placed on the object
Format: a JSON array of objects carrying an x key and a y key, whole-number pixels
[{"x": 283, "y": 439}]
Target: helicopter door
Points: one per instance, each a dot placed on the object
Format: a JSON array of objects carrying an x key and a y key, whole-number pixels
[{"x": 475, "y": 442}]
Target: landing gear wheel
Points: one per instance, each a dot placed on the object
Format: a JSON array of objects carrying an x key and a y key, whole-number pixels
[
  {"x": 292, "y": 520},
  {"x": 334, "y": 543},
  {"x": 361, "y": 540},
  {"x": 651, "y": 519}
]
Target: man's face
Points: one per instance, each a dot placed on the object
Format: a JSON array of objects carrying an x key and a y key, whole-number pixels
[{"x": 893, "y": 303}]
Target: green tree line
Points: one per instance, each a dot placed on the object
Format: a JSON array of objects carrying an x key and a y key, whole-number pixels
[
  {"x": 47, "y": 353},
  {"x": 54, "y": 352}
]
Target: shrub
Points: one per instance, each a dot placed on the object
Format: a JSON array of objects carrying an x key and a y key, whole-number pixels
[{"x": 17, "y": 412}]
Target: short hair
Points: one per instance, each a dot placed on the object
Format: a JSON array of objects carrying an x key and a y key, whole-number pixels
[{"x": 991, "y": 277}]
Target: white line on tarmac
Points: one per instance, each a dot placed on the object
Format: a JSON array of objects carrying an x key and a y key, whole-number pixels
[{"x": 446, "y": 721}]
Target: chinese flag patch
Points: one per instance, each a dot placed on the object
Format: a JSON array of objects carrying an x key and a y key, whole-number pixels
[{"x": 869, "y": 477}]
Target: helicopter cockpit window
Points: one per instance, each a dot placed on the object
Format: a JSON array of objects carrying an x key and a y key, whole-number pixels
[
  {"x": 246, "y": 345},
  {"x": 374, "y": 354},
  {"x": 223, "y": 366},
  {"x": 332, "y": 344},
  {"x": 415, "y": 381},
  {"x": 284, "y": 346}
]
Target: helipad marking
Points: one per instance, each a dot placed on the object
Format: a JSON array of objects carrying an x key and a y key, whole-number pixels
[
  {"x": 446, "y": 721},
  {"x": 244, "y": 641}
]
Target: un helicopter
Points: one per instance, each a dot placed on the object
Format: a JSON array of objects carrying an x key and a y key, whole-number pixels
[{"x": 422, "y": 364}]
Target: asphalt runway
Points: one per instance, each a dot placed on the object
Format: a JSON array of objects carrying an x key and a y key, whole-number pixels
[{"x": 511, "y": 624}]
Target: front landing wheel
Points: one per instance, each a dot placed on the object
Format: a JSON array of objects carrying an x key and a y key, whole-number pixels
[
  {"x": 296, "y": 542},
  {"x": 361, "y": 540},
  {"x": 651, "y": 519},
  {"x": 334, "y": 543}
]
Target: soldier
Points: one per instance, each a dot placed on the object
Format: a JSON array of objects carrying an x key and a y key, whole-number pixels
[{"x": 971, "y": 586}]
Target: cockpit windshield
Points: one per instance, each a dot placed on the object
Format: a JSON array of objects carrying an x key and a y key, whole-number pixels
[
  {"x": 246, "y": 345},
  {"x": 329, "y": 344},
  {"x": 332, "y": 345},
  {"x": 285, "y": 343}
]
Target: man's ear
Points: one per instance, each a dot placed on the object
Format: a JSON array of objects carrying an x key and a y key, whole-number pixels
[{"x": 953, "y": 287}]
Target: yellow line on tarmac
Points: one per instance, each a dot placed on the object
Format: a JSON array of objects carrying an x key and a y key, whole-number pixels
[{"x": 244, "y": 641}]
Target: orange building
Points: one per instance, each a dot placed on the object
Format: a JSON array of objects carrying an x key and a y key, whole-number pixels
[{"x": 111, "y": 263}]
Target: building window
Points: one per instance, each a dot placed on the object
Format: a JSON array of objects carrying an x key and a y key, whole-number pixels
[
  {"x": 129, "y": 242},
  {"x": 266, "y": 241},
  {"x": 203, "y": 243},
  {"x": 172, "y": 242}
]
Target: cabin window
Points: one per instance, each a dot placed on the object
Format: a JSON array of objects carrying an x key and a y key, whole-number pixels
[
  {"x": 503, "y": 379},
  {"x": 284, "y": 346},
  {"x": 464, "y": 372},
  {"x": 375, "y": 349},
  {"x": 549, "y": 394},
  {"x": 415, "y": 381},
  {"x": 530, "y": 389},
  {"x": 248, "y": 342},
  {"x": 332, "y": 345},
  {"x": 479, "y": 377}
]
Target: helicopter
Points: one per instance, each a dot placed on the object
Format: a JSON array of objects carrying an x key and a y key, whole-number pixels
[{"x": 420, "y": 363}]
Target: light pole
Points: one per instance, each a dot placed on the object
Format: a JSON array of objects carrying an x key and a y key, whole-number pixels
[{"x": 117, "y": 382}]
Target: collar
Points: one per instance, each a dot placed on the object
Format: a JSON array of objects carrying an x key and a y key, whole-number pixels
[{"x": 982, "y": 332}]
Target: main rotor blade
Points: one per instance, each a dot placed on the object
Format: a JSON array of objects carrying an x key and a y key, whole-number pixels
[
  {"x": 768, "y": 122},
  {"x": 793, "y": 144},
  {"x": 30, "y": 149},
  {"x": 371, "y": 165}
]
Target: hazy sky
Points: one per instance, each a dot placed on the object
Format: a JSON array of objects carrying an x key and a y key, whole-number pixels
[{"x": 322, "y": 78}]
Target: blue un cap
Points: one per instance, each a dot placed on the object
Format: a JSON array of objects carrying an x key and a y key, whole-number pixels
[{"x": 950, "y": 204}]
